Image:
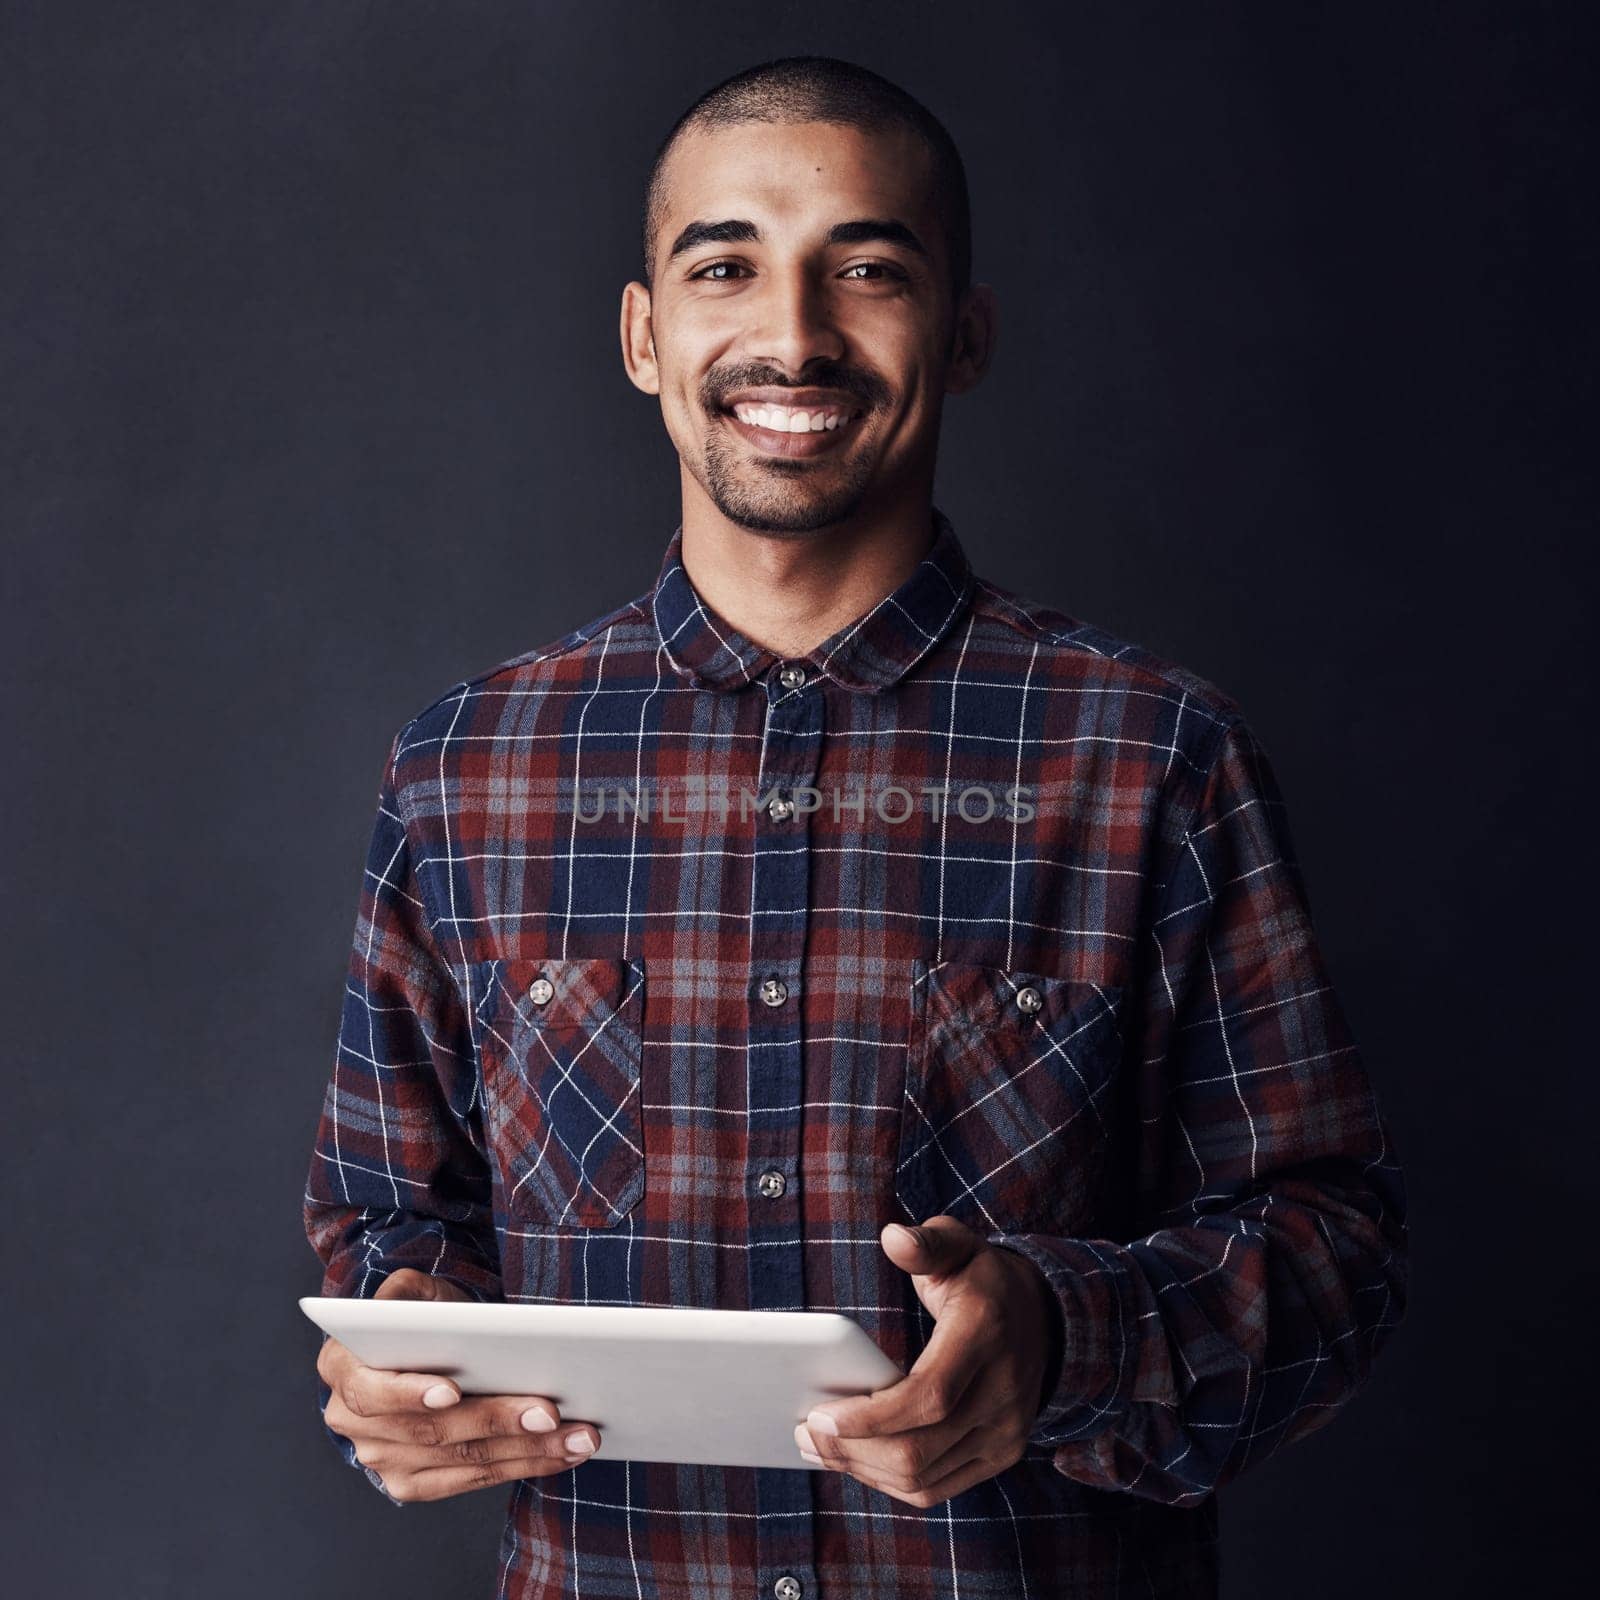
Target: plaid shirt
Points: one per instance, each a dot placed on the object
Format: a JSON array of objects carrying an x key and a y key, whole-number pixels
[{"x": 973, "y": 909}]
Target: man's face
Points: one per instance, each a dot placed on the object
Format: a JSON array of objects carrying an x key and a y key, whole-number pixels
[{"x": 800, "y": 273}]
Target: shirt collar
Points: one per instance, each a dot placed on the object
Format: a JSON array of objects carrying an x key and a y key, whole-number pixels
[{"x": 874, "y": 651}]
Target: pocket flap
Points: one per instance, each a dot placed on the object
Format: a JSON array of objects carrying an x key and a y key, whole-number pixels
[
  {"x": 557, "y": 994},
  {"x": 966, "y": 995}
]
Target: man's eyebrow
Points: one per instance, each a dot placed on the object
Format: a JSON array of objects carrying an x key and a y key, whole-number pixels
[
  {"x": 865, "y": 230},
  {"x": 876, "y": 230}
]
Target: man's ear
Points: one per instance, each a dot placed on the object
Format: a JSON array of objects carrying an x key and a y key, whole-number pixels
[
  {"x": 973, "y": 338},
  {"x": 639, "y": 339}
]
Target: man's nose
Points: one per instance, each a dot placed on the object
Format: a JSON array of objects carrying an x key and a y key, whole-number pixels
[{"x": 794, "y": 325}]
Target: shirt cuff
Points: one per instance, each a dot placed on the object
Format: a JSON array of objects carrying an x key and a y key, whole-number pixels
[
  {"x": 1087, "y": 1395},
  {"x": 359, "y": 1275}
]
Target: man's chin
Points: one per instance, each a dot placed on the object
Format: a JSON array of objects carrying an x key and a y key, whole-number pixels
[
  {"x": 798, "y": 516},
  {"x": 797, "y": 504}
]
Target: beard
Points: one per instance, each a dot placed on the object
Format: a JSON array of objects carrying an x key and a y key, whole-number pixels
[{"x": 780, "y": 496}]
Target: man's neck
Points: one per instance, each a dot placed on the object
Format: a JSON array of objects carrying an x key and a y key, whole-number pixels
[{"x": 789, "y": 593}]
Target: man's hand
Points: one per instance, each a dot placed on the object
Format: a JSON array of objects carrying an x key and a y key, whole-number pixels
[
  {"x": 965, "y": 1409},
  {"x": 424, "y": 1441}
]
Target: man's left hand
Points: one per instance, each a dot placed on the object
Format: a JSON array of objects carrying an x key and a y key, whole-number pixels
[{"x": 965, "y": 1409}]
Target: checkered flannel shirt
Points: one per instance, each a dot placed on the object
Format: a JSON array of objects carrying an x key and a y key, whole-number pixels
[{"x": 973, "y": 909}]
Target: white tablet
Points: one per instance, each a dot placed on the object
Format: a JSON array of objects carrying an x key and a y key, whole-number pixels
[{"x": 716, "y": 1388}]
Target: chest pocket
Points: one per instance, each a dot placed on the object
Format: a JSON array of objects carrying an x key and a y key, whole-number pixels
[
  {"x": 1008, "y": 1075},
  {"x": 560, "y": 1043}
]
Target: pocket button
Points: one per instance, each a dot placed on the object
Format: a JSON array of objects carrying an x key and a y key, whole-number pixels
[
  {"x": 1029, "y": 999},
  {"x": 540, "y": 990}
]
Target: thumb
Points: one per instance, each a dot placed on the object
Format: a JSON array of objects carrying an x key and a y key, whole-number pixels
[
  {"x": 940, "y": 1247},
  {"x": 407, "y": 1283}
]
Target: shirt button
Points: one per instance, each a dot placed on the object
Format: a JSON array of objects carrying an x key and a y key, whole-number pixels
[
  {"x": 540, "y": 990},
  {"x": 771, "y": 1184},
  {"x": 787, "y": 1588},
  {"x": 774, "y": 991},
  {"x": 1029, "y": 998},
  {"x": 792, "y": 678},
  {"x": 780, "y": 810}
]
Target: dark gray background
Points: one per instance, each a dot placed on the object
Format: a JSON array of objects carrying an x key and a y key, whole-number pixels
[{"x": 312, "y": 404}]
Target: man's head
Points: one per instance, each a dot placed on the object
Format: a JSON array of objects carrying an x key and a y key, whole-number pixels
[
  {"x": 806, "y": 245},
  {"x": 823, "y": 89}
]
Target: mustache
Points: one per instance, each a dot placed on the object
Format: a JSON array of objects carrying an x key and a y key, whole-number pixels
[{"x": 866, "y": 388}]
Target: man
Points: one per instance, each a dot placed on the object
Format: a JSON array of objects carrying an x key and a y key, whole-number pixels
[{"x": 829, "y": 928}]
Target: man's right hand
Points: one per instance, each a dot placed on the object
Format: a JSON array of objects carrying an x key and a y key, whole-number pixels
[{"x": 422, "y": 1438}]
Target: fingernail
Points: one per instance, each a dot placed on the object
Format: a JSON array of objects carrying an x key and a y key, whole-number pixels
[
  {"x": 821, "y": 1422},
  {"x": 581, "y": 1443},
  {"x": 806, "y": 1455},
  {"x": 537, "y": 1421},
  {"x": 802, "y": 1437},
  {"x": 441, "y": 1394}
]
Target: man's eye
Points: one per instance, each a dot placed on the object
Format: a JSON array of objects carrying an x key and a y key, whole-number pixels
[
  {"x": 722, "y": 271},
  {"x": 717, "y": 266}
]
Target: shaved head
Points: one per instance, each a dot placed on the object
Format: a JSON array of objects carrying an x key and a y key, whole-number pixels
[{"x": 822, "y": 89}]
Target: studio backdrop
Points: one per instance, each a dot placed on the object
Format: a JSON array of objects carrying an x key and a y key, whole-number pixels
[{"x": 314, "y": 406}]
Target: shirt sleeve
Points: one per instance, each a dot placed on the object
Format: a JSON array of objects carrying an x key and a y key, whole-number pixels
[
  {"x": 399, "y": 1175},
  {"x": 1273, "y": 1263}
]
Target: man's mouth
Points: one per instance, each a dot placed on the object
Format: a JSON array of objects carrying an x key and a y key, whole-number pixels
[{"x": 782, "y": 430}]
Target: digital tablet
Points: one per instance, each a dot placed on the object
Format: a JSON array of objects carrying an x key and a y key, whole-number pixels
[{"x": 714, "y": 1388}]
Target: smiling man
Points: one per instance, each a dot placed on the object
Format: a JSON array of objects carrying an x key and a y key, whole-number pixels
[{"x": 829, "y": 928}]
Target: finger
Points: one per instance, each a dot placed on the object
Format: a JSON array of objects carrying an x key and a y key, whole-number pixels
[
  {"x": 405, "y": 1455},
  {"x": 341, "y": 1368},
  {"x": 992, "y": 1444},
  {"x": 370, "y": 1392},
  {"x": 477, "y": 1417},
  {"x": 909, "y": 1455},
  {"x": 976, "y": 1470},
  {"x": 897, "y": 1457},
  {"x": 929, "y": 1393},
  {"x": 373, "y": 1392},
  {"x": 958, "y": 1469},
  {"x": 437, "y": 1483}
]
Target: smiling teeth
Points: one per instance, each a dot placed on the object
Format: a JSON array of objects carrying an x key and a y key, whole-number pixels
[{"x": 781, "y": 419}]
